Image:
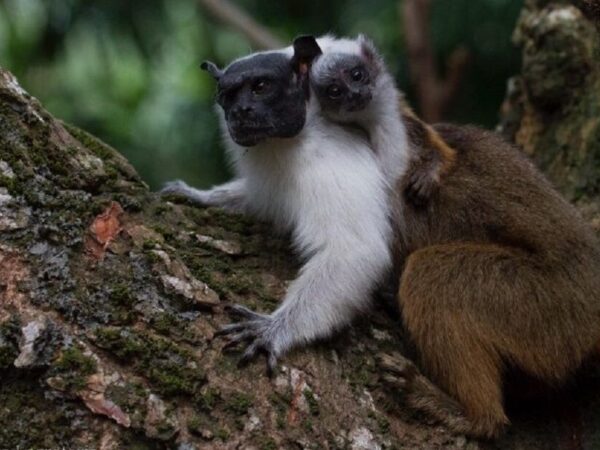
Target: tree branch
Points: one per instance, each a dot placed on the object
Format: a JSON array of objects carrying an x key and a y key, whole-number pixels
[
  {"x": 434, "y": 94},
  {"x": 231, "y": 15}
]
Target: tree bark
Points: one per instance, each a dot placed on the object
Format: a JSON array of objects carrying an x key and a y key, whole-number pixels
[
  {"x": 110, "y": 296},
  {"x": 552, "y": 108},
  {"x": 109, "y": 299}
]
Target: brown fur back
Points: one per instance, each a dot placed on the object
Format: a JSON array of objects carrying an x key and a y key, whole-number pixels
[{"x": 550, "y": 274}]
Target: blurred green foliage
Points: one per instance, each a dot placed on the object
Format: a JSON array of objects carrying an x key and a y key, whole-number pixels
[{"x": 127, "y": 71}]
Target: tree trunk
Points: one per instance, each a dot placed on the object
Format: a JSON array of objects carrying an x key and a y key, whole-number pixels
[
  {"x": 110, "y": 296},
  {"x": 552, "y": 109}
]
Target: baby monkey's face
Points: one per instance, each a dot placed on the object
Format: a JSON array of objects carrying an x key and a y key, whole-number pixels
[{"x": 343, "y": 83}]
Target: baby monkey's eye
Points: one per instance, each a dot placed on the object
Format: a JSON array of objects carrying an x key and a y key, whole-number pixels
[
  {"x": 334, "y": 91},
  {"x": 260, "y": 87},
  {"x": 357, "y": 74}
]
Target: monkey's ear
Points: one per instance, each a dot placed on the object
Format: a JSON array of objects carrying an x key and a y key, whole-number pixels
[
  {"x": 306, "y": 50},
  {"x": 369, "y": 51},
  {"x": 212, "y": 69}
]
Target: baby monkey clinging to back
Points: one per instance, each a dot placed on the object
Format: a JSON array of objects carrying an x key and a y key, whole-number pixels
[
  {"x": 354, "y": 87},
  {"x": 497, "y": 270}
]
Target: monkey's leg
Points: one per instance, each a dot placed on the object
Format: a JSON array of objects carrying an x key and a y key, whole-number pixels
[
  {"x": 421, "y": 394},
  {"x": 231, "y": 195},
  {"x": 457, "y": 302}
]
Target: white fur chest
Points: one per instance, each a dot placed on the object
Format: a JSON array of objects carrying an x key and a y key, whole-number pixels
[
  {"x": 327, "y": 187},
  {"x": 322, "y": 185}
]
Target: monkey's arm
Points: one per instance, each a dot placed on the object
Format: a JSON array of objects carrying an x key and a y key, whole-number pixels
[
  {"x": 433, "y": 158},
  {"x": 341, "y": 224},
  {"x": 331, "y": 288},
  {"x": 230, "y": 196}
]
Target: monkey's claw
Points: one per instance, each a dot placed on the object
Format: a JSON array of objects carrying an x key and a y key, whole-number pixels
[
  {"x": 256, "y": 331},
  {"x": 252, "y": 351},
  {"x": 246, "y": 313}
]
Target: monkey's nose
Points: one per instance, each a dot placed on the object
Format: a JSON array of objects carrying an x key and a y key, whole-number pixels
[
  {"x": 242, "y": 111},
  {"x": 354, "y": 95}
]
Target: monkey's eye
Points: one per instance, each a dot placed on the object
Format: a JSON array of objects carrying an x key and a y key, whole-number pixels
[
  {"x": 260, "y": 87},
  {"x": 358, "y": 74},
  {"x": 334, "y": 91}
]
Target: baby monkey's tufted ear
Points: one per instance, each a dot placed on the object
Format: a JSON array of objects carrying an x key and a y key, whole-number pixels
[{"x": 369, "y": 51}]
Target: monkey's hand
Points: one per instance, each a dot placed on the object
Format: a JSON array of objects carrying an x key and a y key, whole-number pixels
[
  {"x": 422, "y": 184},
  {"x": 231, "y": 196},
  {"x": 179, "y": 188},
  {"x": 259, "y": 331}
]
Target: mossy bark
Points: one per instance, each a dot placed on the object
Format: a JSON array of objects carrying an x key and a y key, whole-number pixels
[
  {"x": 552, "y": 109},
  {"x": 110, "y": 296},
  {"x": 109, "y": 299}
]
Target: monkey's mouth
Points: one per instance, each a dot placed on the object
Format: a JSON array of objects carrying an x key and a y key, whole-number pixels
[
  {"x": 357, "y": 104},
  {"x": 249, "y": 135}
]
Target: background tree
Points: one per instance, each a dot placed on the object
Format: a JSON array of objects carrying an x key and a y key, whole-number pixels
[{"x": 128, "y": 71}]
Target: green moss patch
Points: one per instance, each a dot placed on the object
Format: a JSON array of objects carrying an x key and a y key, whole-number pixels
[
  {"x": 29, "y": 419},
  {"x": 169, "y": 367},
  {"x": 74, "y": 367},
  {"x": 239, "y": 403}
]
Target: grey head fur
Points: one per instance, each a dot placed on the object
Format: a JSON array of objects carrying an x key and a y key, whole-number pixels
[{"x": 346, "y": 81}]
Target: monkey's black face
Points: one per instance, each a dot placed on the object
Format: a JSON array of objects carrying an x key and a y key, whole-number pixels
[
  {"x": 343, "y": 83},
  {"x": 262, "y": 97}
]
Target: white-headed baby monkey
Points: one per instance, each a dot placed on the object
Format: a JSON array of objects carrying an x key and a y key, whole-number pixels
[
  {"x": 353, "y": 86},
  {"x": 497, "y": 272}
]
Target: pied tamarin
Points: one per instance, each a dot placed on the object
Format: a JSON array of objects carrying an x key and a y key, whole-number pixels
[
  {"x": 496, "y": 267},
  {"x": 498, "y": 270}
]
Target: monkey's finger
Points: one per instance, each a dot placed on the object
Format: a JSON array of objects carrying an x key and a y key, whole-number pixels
[
  {"x": 425, "y": 190},
  {"x": 271, "y": 364},
  {"x": 247, "y": 313},
  {"x": 397, "y": 365},
  {"x": 413, "y": 197},
  {"x": 234, "y": 328},
  {"x": 389, "y": 361},
  {"x": 418, "y": 179},
  {"x": 417, "y": 194},
  {"x": 397, "y": 382},
  {"x": 250, "y": 353},
  {"x": 239, "y": 337},
  {"x": 412, "y": 187}
]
